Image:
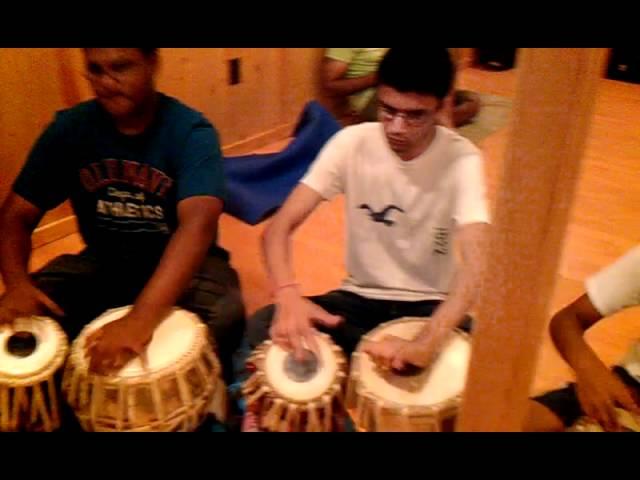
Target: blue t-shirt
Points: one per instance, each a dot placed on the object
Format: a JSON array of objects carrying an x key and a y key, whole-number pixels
[{"x": 124, "y": 189}]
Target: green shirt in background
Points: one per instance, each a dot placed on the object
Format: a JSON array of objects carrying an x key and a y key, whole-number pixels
[{"x": 361, "y": 61}]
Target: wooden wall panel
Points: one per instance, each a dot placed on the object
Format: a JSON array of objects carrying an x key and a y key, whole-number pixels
[
  {"x": 301, "y": 78},
  {"x": 32, "y": 91}
]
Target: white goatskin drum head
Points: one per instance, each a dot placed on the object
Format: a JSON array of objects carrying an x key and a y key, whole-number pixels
[
  {"x": 320, "y": 383},
  {"x": 174, "y": 337},
  {"x": 445, "y": 379},
  {"x": 48, "y": 343}
]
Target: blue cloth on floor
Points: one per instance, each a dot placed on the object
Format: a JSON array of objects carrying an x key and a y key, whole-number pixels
[{"x": 257, "y": 185}]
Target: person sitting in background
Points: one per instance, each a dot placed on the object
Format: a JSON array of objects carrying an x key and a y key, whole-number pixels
[{"x": 351, "y": 73}]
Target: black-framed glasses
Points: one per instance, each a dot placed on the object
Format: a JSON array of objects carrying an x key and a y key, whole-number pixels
[
  {"x": 118, "y": 71},
  {"x": 411, "y": 117}
]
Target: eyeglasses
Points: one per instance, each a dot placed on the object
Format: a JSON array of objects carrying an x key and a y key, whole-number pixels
[
  {"x": 117, "y": 71},
  {"x": 411, "y": 117}
]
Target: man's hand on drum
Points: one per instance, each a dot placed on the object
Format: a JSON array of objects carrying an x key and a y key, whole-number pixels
[
  {"x": 24, "y": 300},
  {"x": 599, "y": 391},
  {"x": 111, "y": 347},
  {"x": 293, "y": 324},
  {"x": 396, "y": 353}
]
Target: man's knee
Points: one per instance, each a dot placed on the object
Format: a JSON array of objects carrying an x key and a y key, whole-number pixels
[
  {"x": 540, "y": 418},
  {"x": 554, "y": 410},
  {"x": 71, "y": 281},
  {"x": 467, "y": 106},
  {"x": 74, "y": 266},
  {"x": 225, "y": 316},
  {"x": 231, "y": 310}
]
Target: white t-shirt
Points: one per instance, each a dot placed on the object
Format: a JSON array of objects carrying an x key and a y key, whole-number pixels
[
  {"x": 401, "y": 215},
  {"x": 615, "y": 288}
]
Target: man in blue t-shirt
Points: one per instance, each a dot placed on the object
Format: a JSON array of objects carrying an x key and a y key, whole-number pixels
[{"x": 144, "y": 175}]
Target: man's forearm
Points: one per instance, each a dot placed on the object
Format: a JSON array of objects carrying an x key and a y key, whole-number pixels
[
  {"x": 277, "y": 237},
  {"x": 468, "y": 281},
  {"x": 276, "y": 245},
  {"x": 568, "y": 338},
  {"x": 15, "y": 250},
  {"x": 450, "y": 312},
  {"x": 182, "y": 258}
]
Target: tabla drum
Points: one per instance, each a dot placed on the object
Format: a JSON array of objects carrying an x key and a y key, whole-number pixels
[
  {"x": 30, "y": 355},
  {"x": 628, "y": 421},
  {"x": 180, "y": 384},
  {"x": 425, "y": 400},
  {"x": 297, "y": 396}
]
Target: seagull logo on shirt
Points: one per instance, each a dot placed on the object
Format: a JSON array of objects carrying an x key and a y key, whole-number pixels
[{"x": 381, "y": 216}]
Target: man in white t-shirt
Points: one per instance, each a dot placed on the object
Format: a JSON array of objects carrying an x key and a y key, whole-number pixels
[
  {"x": 413, "y": 189},
  {"x": 598, "y": 390}
]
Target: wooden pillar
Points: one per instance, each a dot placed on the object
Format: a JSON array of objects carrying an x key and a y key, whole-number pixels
[{"x": 555, "y": 96}]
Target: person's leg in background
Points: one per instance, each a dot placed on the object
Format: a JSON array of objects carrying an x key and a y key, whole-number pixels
[
  {"x": 466, "y": 105},
  {"x": 460, "y": 106},
  {"x": 370, "y": 111}
]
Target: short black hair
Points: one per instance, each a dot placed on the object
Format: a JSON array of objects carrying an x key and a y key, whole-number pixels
[
  {"x": 147, "y": 52},
  {"x": 426, "y": 71}
]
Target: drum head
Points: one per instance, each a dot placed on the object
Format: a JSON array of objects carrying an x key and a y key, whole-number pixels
[
  {"x": 175, "y": 337},
  {"x": 443, "y": 380},
  {"x": 34, "y": 345},
  {"x": 305, "y": 382}
]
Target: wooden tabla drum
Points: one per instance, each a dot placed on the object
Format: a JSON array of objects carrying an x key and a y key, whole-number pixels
[
  {"x": 628, "y": 421},
  {"x": 292, "y": 396},
  {"x": 30, "y": 355},
  {"x": 424, "y": 401},
  {"x": 179, "y": 385}
]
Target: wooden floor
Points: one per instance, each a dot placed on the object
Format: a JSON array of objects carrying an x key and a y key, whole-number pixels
[{"x": 605, "y": 221}]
